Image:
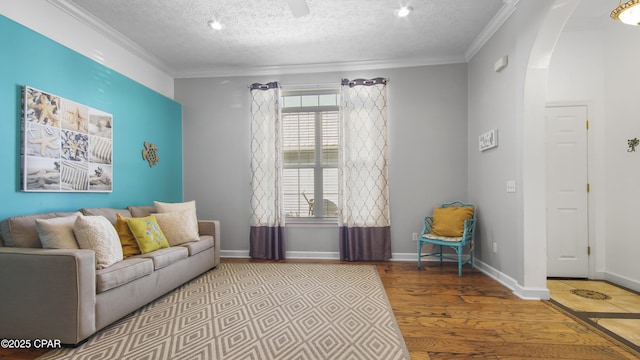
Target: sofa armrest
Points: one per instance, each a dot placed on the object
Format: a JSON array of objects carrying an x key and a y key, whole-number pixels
[
  {"x": 47, "y": 294},
  {"x": 212, "y": 228}
]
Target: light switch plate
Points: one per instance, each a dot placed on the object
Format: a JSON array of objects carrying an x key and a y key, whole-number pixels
[{"x": 511, "y": 186}]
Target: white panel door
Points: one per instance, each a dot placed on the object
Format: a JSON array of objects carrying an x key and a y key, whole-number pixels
[{"x": 567, "y": 196}]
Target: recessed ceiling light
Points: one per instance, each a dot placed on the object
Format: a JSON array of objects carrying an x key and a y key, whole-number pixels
[
  {"x": 404, "y": 11},
  {"x": 215, "y": 24}
]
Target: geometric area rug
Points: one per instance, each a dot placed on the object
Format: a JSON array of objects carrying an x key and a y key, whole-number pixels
[{"x": 258, "y": 311}]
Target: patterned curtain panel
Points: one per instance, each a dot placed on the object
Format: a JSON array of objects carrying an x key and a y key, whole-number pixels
[
  {"x": 364, "y": 218},
  {"x": 266, "y": 239}
]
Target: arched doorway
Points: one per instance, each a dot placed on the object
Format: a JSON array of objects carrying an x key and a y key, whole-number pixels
[{"x": 533, "y": 159}]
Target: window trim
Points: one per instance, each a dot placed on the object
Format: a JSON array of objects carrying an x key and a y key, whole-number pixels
[{"x": 318, "y": 165}]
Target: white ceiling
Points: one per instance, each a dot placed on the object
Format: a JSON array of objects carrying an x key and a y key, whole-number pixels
[{"x": 262, "y": 36}]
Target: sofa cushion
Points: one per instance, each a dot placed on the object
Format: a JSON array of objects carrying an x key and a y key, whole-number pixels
[
  {"x": 127, "y": 240},
  {"x": 122, "y": 272},
  {"x": 98, "y": 234},
  {"x": 195, "y": 247},
  {"x": 141, "y": 211},
  {"x": 57, "y": 233},
  {"x": 165, "y": 257},
  {"x": 178, "y": 226},
  {"x": 109, "y": 213},
  {"x": 148, "y": 234},
  {"x": 20, "y": 231}
]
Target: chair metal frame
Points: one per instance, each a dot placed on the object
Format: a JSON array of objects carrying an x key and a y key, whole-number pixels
[
  {"x": 329, "y": 206},
  {"x": 457, "y": 246}
]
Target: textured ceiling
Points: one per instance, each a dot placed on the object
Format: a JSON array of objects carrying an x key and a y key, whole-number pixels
[{"x": 263, "y": 34}]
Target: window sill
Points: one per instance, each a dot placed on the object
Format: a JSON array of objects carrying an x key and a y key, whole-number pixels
[{"x": 311, "y": 222}]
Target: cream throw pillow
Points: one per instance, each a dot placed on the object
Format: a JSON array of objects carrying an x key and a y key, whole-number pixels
[
  {"x": 98, "y": 234},
  {"x": 57, "y": 232},
  {"x": 177, "y": 227},
  {"x": 184, "y": 206}
]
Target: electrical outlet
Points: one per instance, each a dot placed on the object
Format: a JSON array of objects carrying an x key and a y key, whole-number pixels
[
  {"x": 495, "y": 247},
  {"x": 414, "y": 236}
]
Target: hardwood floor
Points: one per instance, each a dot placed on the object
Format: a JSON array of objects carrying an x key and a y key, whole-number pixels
[{"x": 443, "y": 316}]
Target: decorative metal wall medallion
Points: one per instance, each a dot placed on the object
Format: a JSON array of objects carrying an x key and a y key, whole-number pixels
[{"x": 150, "y": 153}]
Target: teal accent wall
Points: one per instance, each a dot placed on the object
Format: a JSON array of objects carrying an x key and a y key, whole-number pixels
[{"x": 139, "y": 114}]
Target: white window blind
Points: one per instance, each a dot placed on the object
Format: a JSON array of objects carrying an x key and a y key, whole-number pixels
[{"x": 310, "y": 146}]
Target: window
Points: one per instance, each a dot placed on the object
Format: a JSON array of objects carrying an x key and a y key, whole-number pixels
[{"x": 310, "y": 146}]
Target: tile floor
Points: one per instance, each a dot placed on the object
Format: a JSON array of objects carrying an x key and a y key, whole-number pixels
[{"x": 618, "y": 314}]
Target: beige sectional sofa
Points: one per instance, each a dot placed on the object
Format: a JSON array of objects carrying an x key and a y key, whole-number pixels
[{"x": 59, "y": 294}]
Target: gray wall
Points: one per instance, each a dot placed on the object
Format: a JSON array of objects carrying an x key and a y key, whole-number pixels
[
  {"x": 512, "y": 101},
  {"x": 493, "y": 105},
  {"x": 427, "y": 151}
]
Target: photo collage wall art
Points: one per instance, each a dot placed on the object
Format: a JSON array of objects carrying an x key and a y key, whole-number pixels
[{"x": 66, "y": 146}]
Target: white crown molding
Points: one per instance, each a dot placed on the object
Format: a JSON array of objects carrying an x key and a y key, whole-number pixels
[
  {"x": 112, "y": 34},
  {"x": 507, "y": 9},
  {"x": 318, "y": 68}
]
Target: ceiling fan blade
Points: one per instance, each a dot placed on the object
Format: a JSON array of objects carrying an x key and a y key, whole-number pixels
[{"x": 299, "y": 8}]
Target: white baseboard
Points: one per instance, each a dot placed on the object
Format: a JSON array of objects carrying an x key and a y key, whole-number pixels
[
  {"x": 622, "y": 281},
  {"x": 504, "y": 279},
  {"x": 511, "y": 283},
  {"x": 320, "y": 255},
  {"x": 405, "y": 257},
  {"x": 244, "y": 254}
]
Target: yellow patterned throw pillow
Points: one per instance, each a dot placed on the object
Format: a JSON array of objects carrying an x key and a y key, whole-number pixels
[
  {"x": 127, "y": 240},
  {"x": 449, "y": 221},
  {"x": 147, "y": 233}
]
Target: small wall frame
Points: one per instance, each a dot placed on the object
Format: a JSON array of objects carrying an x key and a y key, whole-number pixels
[
  {"x": 66, "y": 146},
  {"x": 488, "y": 140}
]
